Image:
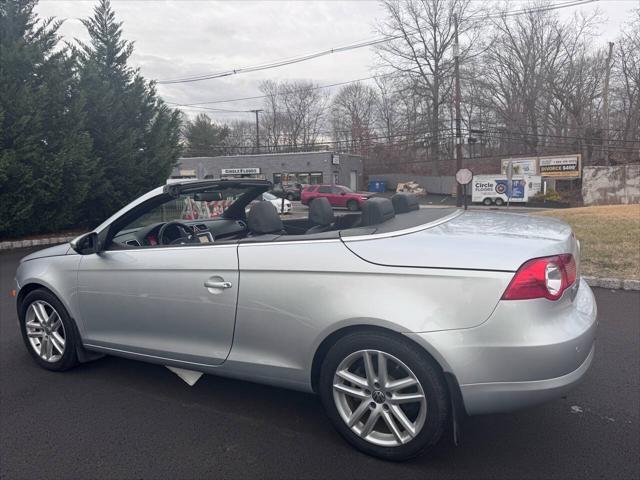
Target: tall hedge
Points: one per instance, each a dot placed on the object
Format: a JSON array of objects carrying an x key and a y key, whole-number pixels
[{"x": 81, "y": 132}]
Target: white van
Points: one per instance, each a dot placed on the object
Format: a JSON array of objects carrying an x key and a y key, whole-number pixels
[{"x": 493, "y": 189}]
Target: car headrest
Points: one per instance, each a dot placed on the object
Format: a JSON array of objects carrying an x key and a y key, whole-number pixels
[
  {"x": 320, "y": 212},
  {"x": 377, "y": 210},
  {"x": 405, "y": 202},
  {"x": 263, "y": 218}
]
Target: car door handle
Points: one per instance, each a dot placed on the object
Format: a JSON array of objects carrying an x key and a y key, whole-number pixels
[{"x": 212, "y": 284}]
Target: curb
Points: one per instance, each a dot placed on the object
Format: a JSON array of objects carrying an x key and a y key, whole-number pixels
[
  {"x": 613, "y": 283},
  {"x": 35, "y": 242},
  {"x": 610, "y": 283}
]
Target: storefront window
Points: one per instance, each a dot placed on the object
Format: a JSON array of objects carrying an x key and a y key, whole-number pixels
[
  {"x": 315, "y": 178},
  {"x": 304, "y": 178}
]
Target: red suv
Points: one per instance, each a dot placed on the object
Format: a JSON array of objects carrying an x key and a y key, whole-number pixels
[{"x": 338, "y": 196}]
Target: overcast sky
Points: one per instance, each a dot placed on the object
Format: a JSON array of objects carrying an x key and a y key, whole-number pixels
[{"x": 178, "y": 38}]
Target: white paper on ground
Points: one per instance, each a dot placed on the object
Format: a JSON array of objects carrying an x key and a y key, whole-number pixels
[{"x": 189, "y": 376}]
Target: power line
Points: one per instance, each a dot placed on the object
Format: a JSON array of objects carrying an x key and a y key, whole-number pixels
[
  {"x": 221, "y": 110},
  {"x": 352, "y": 46},
  {"x": 275, "y": 64},
  {"x": 497, "y": 131},
  {"x": 370, "y": 142},
  {"x": 318, "y": 87},
  {"x": 256, "y": 97}
]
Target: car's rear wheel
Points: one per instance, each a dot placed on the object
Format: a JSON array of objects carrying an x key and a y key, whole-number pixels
[
  {"x": 353, "y": 206},
  {"x": 384, "y": 395},
  {"x": 487, "y": 201},
  {"x": 48, "y": 331}
]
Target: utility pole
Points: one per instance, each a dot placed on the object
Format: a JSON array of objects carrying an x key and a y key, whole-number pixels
[
  {"x": 605, "y": 107},
  {"x": 257, "y": 130},
  {"x": 456, "y": 57}
]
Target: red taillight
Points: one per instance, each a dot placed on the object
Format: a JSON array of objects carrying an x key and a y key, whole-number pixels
[{"x": 546, "y": 277}]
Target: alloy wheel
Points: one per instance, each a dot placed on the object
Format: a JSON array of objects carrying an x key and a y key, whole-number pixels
[
  {"x": 379, "y": 398},
  {"x": 45, "y": 331}
]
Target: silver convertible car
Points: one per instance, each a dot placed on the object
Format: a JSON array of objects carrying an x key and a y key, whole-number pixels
[{"x": 403, "y": 319}]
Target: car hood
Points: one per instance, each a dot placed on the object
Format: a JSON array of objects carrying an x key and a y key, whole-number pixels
[
  {"x": 474, "y": 240},
  {"x": 55, "y": 251}
]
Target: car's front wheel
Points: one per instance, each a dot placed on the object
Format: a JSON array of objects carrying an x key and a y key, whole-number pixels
[
  {"x": 48, "y": 331},
  {"x": 384, "y": 395}
]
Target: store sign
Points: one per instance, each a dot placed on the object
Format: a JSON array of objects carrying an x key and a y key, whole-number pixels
[
  {"x": 240, "y": 171},
  {"x": 521, "y": 166},
  {"x": 335, "y": 159},
  {"x": 567, "y": 166}
]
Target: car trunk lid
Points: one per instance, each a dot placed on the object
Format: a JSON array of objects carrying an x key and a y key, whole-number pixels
[{"x": 474, "y": 240}]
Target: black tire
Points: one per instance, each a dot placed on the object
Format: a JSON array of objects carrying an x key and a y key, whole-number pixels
[
  {"x": 290, "y": 196},
  {"x": 499, "y": 202},
  {"x": 69, "y": 358},
  {"x": 353, "y": 206},
  {"x": 423, "y": 367},
  {"x": 487, "y": 201}
]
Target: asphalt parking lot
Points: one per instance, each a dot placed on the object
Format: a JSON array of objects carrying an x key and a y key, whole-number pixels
[{"x": 116, "y": 418}]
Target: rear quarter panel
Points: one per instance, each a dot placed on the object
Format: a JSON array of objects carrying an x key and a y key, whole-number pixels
[{"x": 294, "y": 294}]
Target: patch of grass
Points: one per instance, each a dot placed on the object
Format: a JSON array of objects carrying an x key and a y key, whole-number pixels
[{"x": 609, "y": 238}]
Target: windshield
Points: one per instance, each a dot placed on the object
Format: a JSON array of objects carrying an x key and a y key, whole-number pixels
[{"x": 189, "y": 207}]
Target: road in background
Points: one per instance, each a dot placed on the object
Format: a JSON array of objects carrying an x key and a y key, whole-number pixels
[
  {"x": 116, "y": 418},
  {"x": 431, "y": 201}
]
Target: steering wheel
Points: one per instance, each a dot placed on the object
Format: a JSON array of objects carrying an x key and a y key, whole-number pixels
[{"x": 184, "y": 229}]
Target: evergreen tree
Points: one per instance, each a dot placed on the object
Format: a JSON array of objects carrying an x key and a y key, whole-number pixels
[
  {"x": 205, "y": 138},
  {"x": 136, "y": 137},
  {"x": 45, "y": 152}
]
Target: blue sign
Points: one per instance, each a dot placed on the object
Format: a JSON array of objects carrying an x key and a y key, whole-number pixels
[{"x": 516, "y": 190}]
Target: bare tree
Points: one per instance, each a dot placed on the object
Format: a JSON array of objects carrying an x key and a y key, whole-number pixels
[
  {"x": 626, "y": 117},
  {"x": 577, "y": 88},
  {"x": 422, "y": 51},
  {"x": 294, "y": 113},
  {"x": 353, "y": 116},
  {"x": 241, "y": 138},
  {"x": 521, "y": 64},
  {"x": 303, "y": 107},
  {"x": 271, "y": 124},
  {"x": 387, "y": 114}
]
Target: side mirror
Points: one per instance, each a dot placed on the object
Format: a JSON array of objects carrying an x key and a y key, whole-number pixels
[
  {"x": 86, "y": 244},
  {"x": 343, "y": 193}
]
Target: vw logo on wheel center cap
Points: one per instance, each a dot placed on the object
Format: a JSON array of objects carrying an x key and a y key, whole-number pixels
[{"x": 378, "y": 396}]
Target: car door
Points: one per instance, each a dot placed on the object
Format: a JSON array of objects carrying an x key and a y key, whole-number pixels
[
  {"x": 339, "y": 196},
  {"x": 175, "y": 302},
  {"x": 325, "y": 191}
]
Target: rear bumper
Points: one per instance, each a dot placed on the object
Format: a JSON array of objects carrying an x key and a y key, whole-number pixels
[
  {"x": 527, "y": 352},
  {"x": 496, "y": 397}
]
